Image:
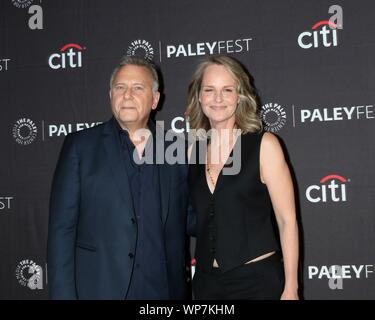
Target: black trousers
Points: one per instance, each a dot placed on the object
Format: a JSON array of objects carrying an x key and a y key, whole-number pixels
[{"x": 260, "y": 280}]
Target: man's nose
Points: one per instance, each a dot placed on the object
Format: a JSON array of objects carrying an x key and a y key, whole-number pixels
[{"x": 127, "y": 93}]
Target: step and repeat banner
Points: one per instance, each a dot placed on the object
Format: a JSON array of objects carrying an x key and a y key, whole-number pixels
[{"x": 314, "y": 68}]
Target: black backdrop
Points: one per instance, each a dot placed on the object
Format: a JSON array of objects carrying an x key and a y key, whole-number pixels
[{"x": 315, "y": 72}]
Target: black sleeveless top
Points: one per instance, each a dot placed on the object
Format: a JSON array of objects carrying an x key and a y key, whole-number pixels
[{"x": 235, "y": 222}]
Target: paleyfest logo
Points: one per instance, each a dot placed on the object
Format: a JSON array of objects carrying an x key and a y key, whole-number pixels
[
  {"x": 29, "y": 274},
  {"x": 24, "y": 131},
  {"x": 5, "y": 203},
  {"x": 273, "y": 116},
  {"x": 4, "y": 62},
  {"x": 22, "y": 4},
  {"x": 230, "y": 46},
  {"x": 141, "y": 47},
  {"x": 336, "y": 274}
]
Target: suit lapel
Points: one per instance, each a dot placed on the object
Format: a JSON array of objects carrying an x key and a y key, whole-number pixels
[
  {"x": 165, "y": 181},
  {"x": 164, "y": 174},
  {"x": 111, "y": 143}
]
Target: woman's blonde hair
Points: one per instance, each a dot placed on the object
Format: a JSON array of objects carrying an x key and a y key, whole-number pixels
[{"x": 246, "y": 117}]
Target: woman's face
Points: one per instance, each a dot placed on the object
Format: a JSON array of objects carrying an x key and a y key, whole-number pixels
[{"x": 218, "y": 96}]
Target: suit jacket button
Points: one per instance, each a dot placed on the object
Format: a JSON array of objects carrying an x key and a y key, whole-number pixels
[{"x": 131, "y": 255}]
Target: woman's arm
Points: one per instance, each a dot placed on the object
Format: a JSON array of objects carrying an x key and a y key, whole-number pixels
[{"x": 275, "y": 174}]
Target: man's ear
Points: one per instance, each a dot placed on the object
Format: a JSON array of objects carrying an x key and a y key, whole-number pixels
[{"x": 156, "y": 97}]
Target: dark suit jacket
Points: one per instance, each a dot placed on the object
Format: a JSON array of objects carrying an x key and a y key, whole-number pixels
[{"x": 92, "y": 232}]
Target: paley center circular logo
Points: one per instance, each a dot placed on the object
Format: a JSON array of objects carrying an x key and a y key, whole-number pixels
[
  {"x": 29, "y": 274},
  {"x": 142, "y": 48},
  {"x": 22, "y": 3},
  {"x": 24, "y": 131},
  {"x": 273, "y": 116}
]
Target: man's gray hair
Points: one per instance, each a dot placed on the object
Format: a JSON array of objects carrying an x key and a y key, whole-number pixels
[{"x": 137, "y": 61}]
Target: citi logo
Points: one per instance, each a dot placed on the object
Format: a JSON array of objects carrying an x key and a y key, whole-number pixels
[
  {"x": 193, "y": 265},
  {"x": 70, "y": 56},
  {"x": 327, "y": 37},
  {"x": 331, "y": 188},
  {"x": 323, "y": 33},
  {"x": 180, "y": 125}
]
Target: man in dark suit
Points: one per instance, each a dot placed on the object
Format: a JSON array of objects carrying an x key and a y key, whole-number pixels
[{"x": 117, "y": 227}]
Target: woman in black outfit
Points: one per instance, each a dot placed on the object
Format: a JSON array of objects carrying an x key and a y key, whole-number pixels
[{"x": 237, "y": 175}]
